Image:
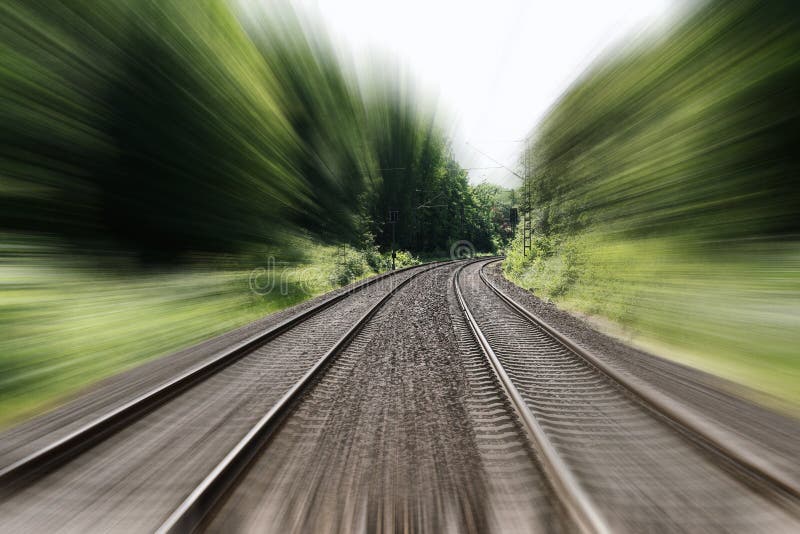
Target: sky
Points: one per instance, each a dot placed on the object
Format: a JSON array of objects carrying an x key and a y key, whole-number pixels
[{"x": 494, "y": 66}]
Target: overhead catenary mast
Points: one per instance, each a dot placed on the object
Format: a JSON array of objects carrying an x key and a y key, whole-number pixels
[{"x": 527, "y": 223}]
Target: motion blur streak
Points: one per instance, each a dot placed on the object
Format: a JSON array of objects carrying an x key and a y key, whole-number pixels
[
  {"x": 154, "y": 152},
  {"x": 664, "y": 186},
  {"x": 162, "y": 128},
  {"x": 171, "y": 170}
]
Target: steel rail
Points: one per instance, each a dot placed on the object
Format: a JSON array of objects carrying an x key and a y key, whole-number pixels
[
  {"x": 189, "y": 515},
  {"x": 663, "y": 405},
  {"x": 37, "y": 462},
  {"x": 578, "y": 504}
]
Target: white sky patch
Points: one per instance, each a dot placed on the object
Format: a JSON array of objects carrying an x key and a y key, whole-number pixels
[{"x": 496, "y": 66}]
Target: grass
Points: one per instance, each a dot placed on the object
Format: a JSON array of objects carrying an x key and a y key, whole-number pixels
[
  {"x": 66, "y": 323},
  {"x": 732, "y": 309}
]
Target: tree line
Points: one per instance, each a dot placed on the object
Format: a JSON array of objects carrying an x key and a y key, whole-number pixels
[
  {"x": 168, "y": 132},
  {"x": 692, "y": 134}
]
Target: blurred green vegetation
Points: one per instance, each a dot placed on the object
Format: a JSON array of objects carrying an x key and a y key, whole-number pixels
[
  {"x": 154, "y": 152},
  {"x": 167, "y": 131},
  {"x": 67, "y": 323},
  {"x": 665, "y": 196}
]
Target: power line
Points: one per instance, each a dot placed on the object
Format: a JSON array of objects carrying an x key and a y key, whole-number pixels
[
  {"x": 483, "y": 168},
  {"x": 491, "y": 158}
]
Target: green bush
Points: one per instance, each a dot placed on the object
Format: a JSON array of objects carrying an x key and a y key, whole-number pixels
[
  {"x": 405, "y": 259},
  {"x": 354, "y": 266}
]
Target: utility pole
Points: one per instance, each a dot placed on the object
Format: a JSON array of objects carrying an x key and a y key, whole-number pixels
[
  {"x": 393, "y": 216},
  {"x": 527, "y": 223}
]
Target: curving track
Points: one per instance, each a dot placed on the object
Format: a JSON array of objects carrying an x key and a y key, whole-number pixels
[
  {"x": 619, "y": 463},
  {"x": 406, "y": 431},
  {"x": 427, "y": 400}
]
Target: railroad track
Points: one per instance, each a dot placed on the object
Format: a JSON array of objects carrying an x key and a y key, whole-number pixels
[
  {"x": 89, "y": 434},
  {"x": 229, "y": 379},
  {"x": 617, "y": 458},
  {"x": 574, "y": 492},
  {"x": 370, "y": 417},
  {"x": 193, "y": 510},
  {"x": 432, "y": 447},
  {"x": 580, "y": 507}
]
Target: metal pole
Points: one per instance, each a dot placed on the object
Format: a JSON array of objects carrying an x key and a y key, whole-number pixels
[{"x": 527, "y": 223}]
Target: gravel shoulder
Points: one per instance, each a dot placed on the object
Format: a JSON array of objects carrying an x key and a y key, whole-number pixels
[{"x": 765, "y": 433}]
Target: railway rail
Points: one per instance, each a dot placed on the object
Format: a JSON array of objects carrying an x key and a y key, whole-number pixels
[
  {"x": 597, "y": 431},
  {"x": 346, "y": 475},
  {"x": 188, "y": 399},
  {"x": 583, "y": 512},
  {"x": 747, "y": 462},
  {"x": 534, "y": 425},
  {"x": 38, "y": 461},
  {"x": 191, "y": 512}
]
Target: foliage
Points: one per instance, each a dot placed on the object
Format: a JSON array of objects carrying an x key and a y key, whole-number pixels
[
  {"x": 693, "y": 134},
  {"x": 490, "y": 212},
  {"x": 404, "y": 258},
  {"x": 665, "y": 196},
  {"x": 67, "y": 323},
  {"x": 166, "y": 131},
  {"x": 154, "y": 152}
]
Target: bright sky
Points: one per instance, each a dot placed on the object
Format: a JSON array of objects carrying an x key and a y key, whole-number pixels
[{"x": 496, "y": 66}]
